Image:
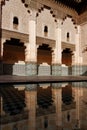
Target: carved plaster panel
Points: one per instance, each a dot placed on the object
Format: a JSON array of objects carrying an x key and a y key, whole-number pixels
[
  {"x": 40, "y": 41},
  {"x": 68, "y": 45},
  {"x": 11, "y": 34},
  {"x": 82, "y": 18}
]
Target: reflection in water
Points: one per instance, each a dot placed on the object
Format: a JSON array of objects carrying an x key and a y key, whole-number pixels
[{"x": 57, "y": 106}]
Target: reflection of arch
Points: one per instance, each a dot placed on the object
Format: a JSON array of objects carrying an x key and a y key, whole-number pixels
[
  {"x": 67, "y": 94},
  {"x": 67, "y": 57},
  {"x": 44, "y": 54},
  {"x": 44, "y": 97}
]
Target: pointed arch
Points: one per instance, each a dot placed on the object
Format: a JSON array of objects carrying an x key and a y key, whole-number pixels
[
  {"x": 41, "y": 9},
  {"x": 72, "y": 19}
]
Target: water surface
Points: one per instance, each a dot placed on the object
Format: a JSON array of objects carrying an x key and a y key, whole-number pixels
[{"x": 56, "y": 106}]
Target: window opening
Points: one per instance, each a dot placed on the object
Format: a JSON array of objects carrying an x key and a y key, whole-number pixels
[
  {"x": 68, "y": 36},
  {"x": 45, "y": 31},
  {"x": 15, "y": 23}
]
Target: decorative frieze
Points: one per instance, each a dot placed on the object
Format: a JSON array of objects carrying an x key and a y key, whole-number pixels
[
  {"x": 68, "y": 45},
  {"x": 12, "y": 34},
  {"x": 41, "y": 40},
  {"x": 59, "y": 7},
  {"x": 56, "y": 9},
  {"x": 82, "y": 18}
]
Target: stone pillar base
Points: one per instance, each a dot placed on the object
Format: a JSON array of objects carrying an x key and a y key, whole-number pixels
[
  {"x": 14, "y": 69},
  {"x": 30, "y": 69},
  {"x": 84, "y": 70},
  {"x": 31, "y": 87},
  {"x": 77, "y": 70},
  {"x": 65, "y": 71},
  {"x": 56, "y": 70}
]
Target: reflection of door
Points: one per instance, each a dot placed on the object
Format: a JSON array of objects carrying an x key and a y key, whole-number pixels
[
  {"x": 67, "y": 94},
  {"x": 67, "y": 57}
]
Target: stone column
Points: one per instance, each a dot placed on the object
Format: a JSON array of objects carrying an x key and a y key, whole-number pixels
[
  {"x": 2, "y": 46},
  {"x": 56, "y": 58},
  {"x": 78, "y": 98},
  {"x": 30, "y": 99},
  {"x": 31, "y": 48},
  {"x": 58, "y": 104},
  {"x": 1, "y": 36},
  {"x": 0, "y": 27},
  {"x": 77, "y": 65},
  {"x": 1, "y": 54},
  {"x": 1, "y": 107}
]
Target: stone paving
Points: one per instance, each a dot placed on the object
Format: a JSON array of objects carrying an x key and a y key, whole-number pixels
[{"x": 4, "y": 79}]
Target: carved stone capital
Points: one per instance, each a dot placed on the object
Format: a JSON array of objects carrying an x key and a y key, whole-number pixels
[
  {"x": 32, "y": 15},
  {"x": 58, "y": 24}
]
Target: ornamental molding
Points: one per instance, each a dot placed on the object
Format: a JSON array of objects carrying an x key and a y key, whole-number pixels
[
  {"x": 7, "y": 34},
  {"x": 56, "y": 9},
  {"x": 82, "y": 18},
  {"x": 68, "y": 45},
  {"x": 41, "y": 40}
]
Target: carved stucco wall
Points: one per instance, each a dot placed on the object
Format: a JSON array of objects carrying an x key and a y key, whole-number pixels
[
  {"x": 46, "y": 19},
  {"x": 15, "y": 8},
  {"x": 84, "y": 42},
  {"x": 68, "y": 27}
]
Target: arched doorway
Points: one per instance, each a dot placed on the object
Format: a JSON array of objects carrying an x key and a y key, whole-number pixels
[
  {"x": 67, "y": 61},
  {"x": 44, "y": 59},
  {"x": 44, "y": 54},
  {"x": 13, "y": 53},
  {"x": 67, "y": 57}
]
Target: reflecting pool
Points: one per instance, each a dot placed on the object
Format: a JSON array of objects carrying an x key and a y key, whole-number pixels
[{"x": 55, "y": 106}]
